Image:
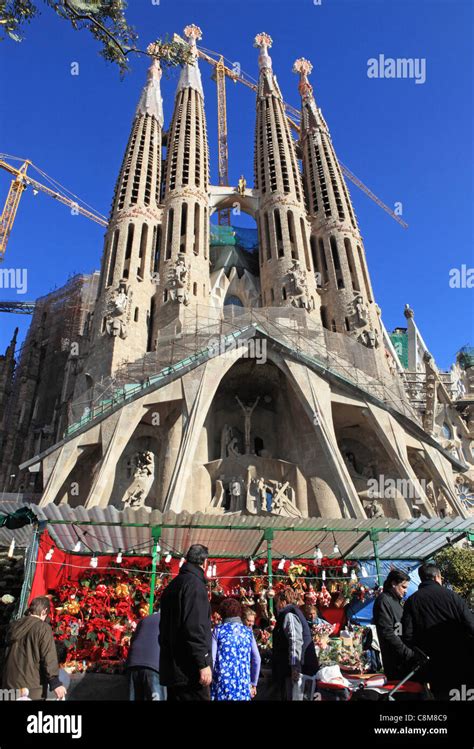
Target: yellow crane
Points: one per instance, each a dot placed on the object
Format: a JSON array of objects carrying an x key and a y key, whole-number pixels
[
  {"x": 21, "y": 180},
  {"x": 293, "y": 116}
]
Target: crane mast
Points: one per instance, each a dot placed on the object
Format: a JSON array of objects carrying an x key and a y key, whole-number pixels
[
  {"x": 7, "y": 218},
  {"x": 223, "y": 149}
]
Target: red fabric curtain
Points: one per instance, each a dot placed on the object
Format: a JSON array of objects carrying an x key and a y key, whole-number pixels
[{"x": 67, "y": 566}]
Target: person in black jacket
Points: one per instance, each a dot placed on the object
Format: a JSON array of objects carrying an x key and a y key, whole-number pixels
[
  {"x": 397, "y": 657},
  {"x": 143, "y": 662},
  {"x": 185, "y": 631},
  {"x": 439, "y": 622}
]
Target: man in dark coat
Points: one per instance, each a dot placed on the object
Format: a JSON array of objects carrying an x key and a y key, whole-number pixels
[
  {"x": 31, "y": 661},
  {"x": 294, "y": 652},
  {"x": 439, "y": 622},
  {"x": 185, "y": 631},
  {"x": 397, "y": 658}
]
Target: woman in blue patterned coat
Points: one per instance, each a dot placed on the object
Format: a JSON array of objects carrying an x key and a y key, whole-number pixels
[{"x": 235, "y": 656}]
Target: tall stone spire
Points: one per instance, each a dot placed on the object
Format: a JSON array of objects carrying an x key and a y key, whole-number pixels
[
  {"x": 7, "y": 368},
  {"x": 184, "y": 261},
  {"x": 347, "y": 304},
  {"x": 286, "y": 268},
  {"x": 122, "y": 325}
]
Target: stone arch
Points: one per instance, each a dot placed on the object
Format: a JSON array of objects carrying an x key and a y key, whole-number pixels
[
  {"x": 77, "y": 485},
  {"x": 200, "y": 432}
]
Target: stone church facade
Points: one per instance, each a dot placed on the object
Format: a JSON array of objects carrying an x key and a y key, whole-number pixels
[{"x": 263, "y": 385}]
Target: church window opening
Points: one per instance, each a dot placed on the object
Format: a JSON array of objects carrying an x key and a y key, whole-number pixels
[
  {"x": 184, "y": 224},
  {"x": 351, "y": 264},
  {"x": 197, "y": 227},
  {"x": 279, "y": 235},
  {"x": 305, "y": 243},
  {"x": 314, "y": 254},
  {"x": 169, "y": 242},
  {"x": 150, "y": 320},
  {"x": 142, "y": 253},
  {"x": 291, "y": 232},
  {"x": 364, "y": 273},
  {"x": 267, "y": 237},
  {"x": 113, "y": 258},
  {"x": 324, "y": 316}
]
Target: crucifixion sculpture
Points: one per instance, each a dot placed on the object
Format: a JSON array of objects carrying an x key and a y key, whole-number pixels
[{"x": 248, "y": 411}]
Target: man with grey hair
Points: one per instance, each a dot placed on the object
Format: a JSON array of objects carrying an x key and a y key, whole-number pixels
[{"x": 185, "y": 631}]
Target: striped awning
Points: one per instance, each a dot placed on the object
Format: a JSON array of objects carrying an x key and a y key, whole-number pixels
[{"x": 109, "y": 530}]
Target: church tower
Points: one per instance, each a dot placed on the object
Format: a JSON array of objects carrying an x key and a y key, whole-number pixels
[
  {"x": 347, "y": 300},
  {"x": 7, "y": 368},
  {"x": 122, "y": 318},
  {"x": 286, "y": 267},
  {"x": 184, "y": 255}
]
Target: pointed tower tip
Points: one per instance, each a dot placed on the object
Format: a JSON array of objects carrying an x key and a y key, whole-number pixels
[
  {"x": 151, "y": 101},
  {"x": 263, "y": 42},
  {"x": 190, "y": 74},
  {"x": 303, "y": 67},
  {"x": 193, "y": 33}
]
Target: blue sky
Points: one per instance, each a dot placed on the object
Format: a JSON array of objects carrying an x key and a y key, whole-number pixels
[{"x": 408, "y": 142}]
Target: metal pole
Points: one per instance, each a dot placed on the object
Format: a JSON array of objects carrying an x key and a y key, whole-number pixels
[
  {"x": 156, "y": 535},
  {"x": 374, "y": 537},
  {"x": 268, "y": 536}
]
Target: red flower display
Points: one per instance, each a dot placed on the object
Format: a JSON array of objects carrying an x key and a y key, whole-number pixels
[{"x": 96, "y": 616}]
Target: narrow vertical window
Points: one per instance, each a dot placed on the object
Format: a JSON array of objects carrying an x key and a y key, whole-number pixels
[
  {"x": 267, "y": 237},
  {"x": 169, "y": 240},
  {"x": 305, "y": 243},
  {"x": 142, "y": 254},
  {"x": 197, "y": 228},
  {"x": 113, "y": 258},
  {"x": 364, "y": 273},
  {"x": 279, "y": 235}
]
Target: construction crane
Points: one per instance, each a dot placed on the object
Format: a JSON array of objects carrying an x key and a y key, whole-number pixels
[
  {"x": 222, "y": 141},
  {"x": 21, "y": 180},
  {"x": 19, "y": 308},
  {"x": 293, "y": 116}
]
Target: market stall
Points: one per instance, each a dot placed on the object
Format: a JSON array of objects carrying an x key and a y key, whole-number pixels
[{"x": 105, "y": 569}]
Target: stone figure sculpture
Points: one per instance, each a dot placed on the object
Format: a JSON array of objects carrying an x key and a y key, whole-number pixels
[
  {"x": 248, "y": 411},
  {"x": 374, "y": 510},
  {"x": 142, "y": 470},
  {"x": 178, "y": 281},
  {"x": 262, "y": 493},
  {"x": 360, "y": 310},
  {"x": 299, "y": 295},
  {"x": 235, "y": 490},
  {"x": 118, "y": 307}
]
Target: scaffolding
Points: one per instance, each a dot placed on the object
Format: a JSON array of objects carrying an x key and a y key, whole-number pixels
[
  {"x": 36, "y": 412},
  {"x": 210, "y": 332}
]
